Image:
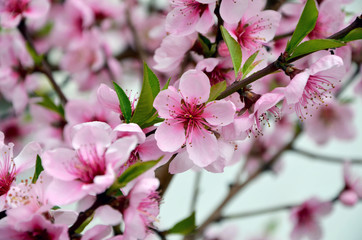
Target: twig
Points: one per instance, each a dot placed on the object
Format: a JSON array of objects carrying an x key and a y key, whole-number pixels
[
  {"x": 324, "y": 158},
  {"x": 44, "y": 67},
  {"x": 196, "y": 191},
  {"x": 164, "y": 176}
]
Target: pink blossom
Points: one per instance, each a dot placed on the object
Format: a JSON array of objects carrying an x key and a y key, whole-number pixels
[
  {"x": 189, "y": 118},
  {"x": 36, "y": 227},
  {"x": 89, "y": 168},
  {"x": 306, "y": 219},
  {"x": 189, "y": 16},
  {"x": 352, "y": 191},
  {"x": 12, "y": 11},
  {"x": 10, "y": 167},
  {"x": 312, "y": 86},
  {"x": 143, "y": 209},
  {"x": 330, "y": 120},
  {"x": 216, "y": 69},
  {"x": 231, "y": 10}
]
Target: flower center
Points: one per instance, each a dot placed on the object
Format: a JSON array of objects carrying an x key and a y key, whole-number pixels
[
  {"x": 7, "y": 172},
  {"x": 304, "y": 216},
  {"x": 88, "y": 164},
  {"x": 245, "y": 33},
  {"x": 149, "y": 208},
  {"x": 16, "y": 7}
]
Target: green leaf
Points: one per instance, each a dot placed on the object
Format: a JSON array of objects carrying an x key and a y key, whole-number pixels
[
  {"x": 249, "y": 64},
  {"x": 216, "y": 89},
  {"x": 124, "y": 102},
  {"x": 38, "y": 59},
  {"x": 48, "y": 103},
  {"x": 208, "y": 48},
  {"x": 315, "y": 45},
  {"x": 152, "y": 121},
  {"x": 56, "y": 207},
  {"x": 305, "y": 25},
  {"x": 150, "y": 89},
  {"x": 234, "y": 49},
  {"x": 251, "y": 67},
  {"x": 38, "y": 169},
  {"x": 167, "y": 84},
  {"x": 44, "y": 31},
  {"x": 131, "y": 173},
  {"x": 84, "y": 224},
  {"x": 185, "y": 226},
  {"x": 353, "y": 35}
]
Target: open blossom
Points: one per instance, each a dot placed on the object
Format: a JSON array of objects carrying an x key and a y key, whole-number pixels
[
  {"x": 189, "y": 118},
  {"x": 189, "y": 16},
  {"x": 10, "y": 167},
  {"x": 352, "y": 191},
  {"x": 312, "y": 86},
  {"x": 331, "y": 120},
  {"x": 11, "y": 11},
  {"x": 306, "y": 219},
  {"x": 89, "y": 168}
]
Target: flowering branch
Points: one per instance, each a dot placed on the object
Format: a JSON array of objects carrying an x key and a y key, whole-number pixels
[
  {"x": 44, "y": 66},
  {"x": 329, "y": 159},
  {"x": 276, "y": 65}
]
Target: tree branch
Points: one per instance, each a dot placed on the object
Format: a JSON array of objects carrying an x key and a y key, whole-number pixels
[{"x": 324, "y": 158}]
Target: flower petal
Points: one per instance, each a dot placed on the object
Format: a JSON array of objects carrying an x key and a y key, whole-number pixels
[
  {"x": 294, "y": 91},
  {"x": 166, "y": 101},
  {"x": 219, "y": 113},
  {"x": 195, "y": 85},
  {"x": 231, "y": 11},
  {"x": 170, "y": 136},
  {"x": 55, "y": 163}
]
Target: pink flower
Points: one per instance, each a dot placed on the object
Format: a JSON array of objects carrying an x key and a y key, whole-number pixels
[
  {"x": 11, "y": 11},
  {"x": 10, "y": 167},
  {"x": 312, "y": 86},
  {"x": 232, "y": 10},
  {"x": 352, "y": 191},
  {"x": 89, "y": 168},
  {"x": 189, "y": 119},
  {"x": 216, "y": 69},
  {"x": 305, "y": 218},
  {"x": 143, "y": 209},
  {"x": 189, "y": 16},
  {"x": 37, "y": 227},
  {"x": 330, "y": 120}
]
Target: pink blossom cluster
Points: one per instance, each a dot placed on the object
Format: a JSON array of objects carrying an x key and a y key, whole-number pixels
[{"x": 74, "y": 115}]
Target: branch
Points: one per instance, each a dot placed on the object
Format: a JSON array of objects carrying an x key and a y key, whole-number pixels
[
  {"x": 44, "y": 67},
  {"x": 274, "y": 4},
  {"x": 164, "y": 176},
  {"x": 196, "y": 191},
  {"x": 274, "y": 66},
  {"x": 324, "y": 158},
  {"x": 215, "y": 216},
  {"x": 267, "y": 210}
]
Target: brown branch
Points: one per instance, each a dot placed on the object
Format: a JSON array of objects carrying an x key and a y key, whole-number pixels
[
  {"x": 164, "y": 176},
  {"x": 44, "y": 66},
  {"x": 274, "y": 4},
  {"x": 324, "y": 158}
]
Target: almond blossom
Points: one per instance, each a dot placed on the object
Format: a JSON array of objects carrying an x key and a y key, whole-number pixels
[
  {"x": 352, "y": 191},
  {"x": 306, "y": 219},
  {"x": 189, "y": 119},
  {"x": 313, "y": 85},
  {"x": 90, "y": 167}
]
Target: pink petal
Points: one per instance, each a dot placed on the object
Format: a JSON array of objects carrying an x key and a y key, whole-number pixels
[
  {"x": 19, "y": 98},
  {"x": 108, "y": 98},
  {"x": 108, "y": 215},
  {"x": 166, "y": 101},
  {"x": 180, "y": 163},
  {"x": 203, "y": 148},
  {"x": 129, "y": 129},
  {"x": 195, "y": 85},
  {"x": 181, "y": 22},
  {"x": 55, "y": 163},
  {"x": 37, "y": 9},
  {"x": 219, "y": 113},
  {"x": 349, "y": 198},
  {"x": 27, "y": 157},
  {"x": 65, "y": 217},
  {"x": 267, "y": 101},
  {"x": 98, "y": 232},
  {"x": 9, "y": 20},
  {"x": 294, "y": 91},
  {"x": 206, "y": 20},
  {"x": 207, "y": 64},
  {"x": 170, "y": 136},
  {"x": 65, "y": 192},
  {"x": 267, "y": 24},
  {"x": 325, "y": 63},
  {"x": 119, "y": 152},
  {"x": 231, "y": 11}
]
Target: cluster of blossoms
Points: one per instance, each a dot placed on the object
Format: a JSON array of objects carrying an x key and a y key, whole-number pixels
[{"x": 111, "y": 152}]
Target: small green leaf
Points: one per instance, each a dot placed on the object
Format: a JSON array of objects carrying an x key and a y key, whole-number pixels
[
  {"x": 167, "y": 84},
  {"x": 150, "y": 88},
  {"x": 248, "y": 63},
  {"x": 251, "y": 67},
  {"x": 48, "y": 103},
  {"x": 208, "y": 48},
  {"x": 305, "y": 25},
  {"x": 216, "y": 89},
  {"x": 56, "y": 208},
  {"x": 353, "y": 35},
  {"x": 36, "y": 58},
  {"x": 131, "y": 173},
  {"x": 84, "y": 224},
  {"x": 152, "y": 121},
  {"x": 315, "y": 45},
  {"x": 124, "y": 102},
  {"x": 185, "y": 226},
  {"x": 45, "y": 31},
  {"x": 234, "y": 49},
  {"x": 38, "y": 169}
]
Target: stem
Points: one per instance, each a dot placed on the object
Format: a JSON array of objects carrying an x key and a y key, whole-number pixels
[
  {"x": 215, "y": 216},
  {"x": 164, "y": 176},
  {"x": 329, "y": 159},
  {"x": 196, "y": 191},
  {"x": 44, "y": 67},
  {"x": 281, "y": 36},
  {"x": 268, "y": 210},
  {"x": 274, "y": 4},
  {"x": 274, "y": 66}
]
